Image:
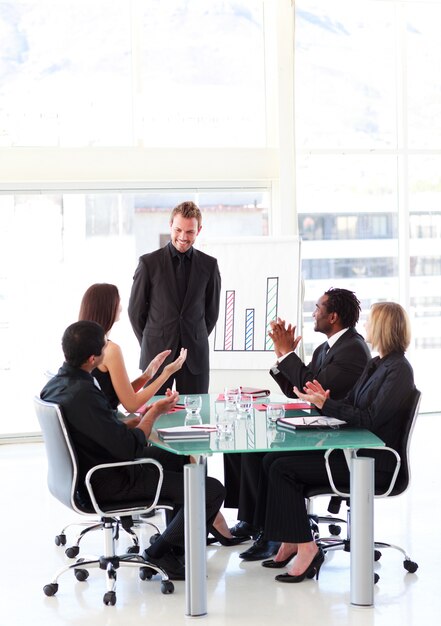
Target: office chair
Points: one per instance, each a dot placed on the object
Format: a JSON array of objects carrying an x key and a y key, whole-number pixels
[
  {"x": 127, "y": 524},
  {"x": 399, "y": 483},
  {"x": 63, "y": 484}
]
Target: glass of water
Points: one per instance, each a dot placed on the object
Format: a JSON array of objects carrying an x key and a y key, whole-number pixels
[
  {"x": 193, "y": 406},
  {"x": 245, "y": 404},
  {"x": 231, "y": 396},
  {"x": 274, "y": 412},
  {"x": 225, "y": 418}
]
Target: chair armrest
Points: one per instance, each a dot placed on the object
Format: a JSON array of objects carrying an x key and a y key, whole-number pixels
[
  {"x": 328, "y": 453},
  {"x": 395, "y": 474},
  {"x": 127, "y": 510},
  {"x": 347, "y": 495}
]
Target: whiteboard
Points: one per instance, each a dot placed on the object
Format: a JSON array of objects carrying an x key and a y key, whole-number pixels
[{"x": 260, "y": 282}]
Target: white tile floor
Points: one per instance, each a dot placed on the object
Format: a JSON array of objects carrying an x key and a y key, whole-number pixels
[{"x": 238, "y": 592}]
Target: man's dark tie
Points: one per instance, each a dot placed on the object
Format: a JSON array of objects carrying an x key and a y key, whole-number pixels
[
  {"x": 181, "y": 277},
  {"x": 323, "y": 352}
]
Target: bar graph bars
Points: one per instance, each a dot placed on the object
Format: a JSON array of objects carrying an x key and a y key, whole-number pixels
[
  {"x": 272, "y": 299},
  {"x": 247, "y": 342},
  {"x": 230, "y": 297},
  {"x": 249, "y": 329}
]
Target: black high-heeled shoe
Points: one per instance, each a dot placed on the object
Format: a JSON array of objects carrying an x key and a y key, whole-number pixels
[
  {"x": 225, "y": 541},
  {"x": 312, "y": 570},
  {"x": 278, "y": 564}
]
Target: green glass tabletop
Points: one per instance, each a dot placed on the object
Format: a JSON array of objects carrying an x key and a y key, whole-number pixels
[{"x": 251, "y": 433}]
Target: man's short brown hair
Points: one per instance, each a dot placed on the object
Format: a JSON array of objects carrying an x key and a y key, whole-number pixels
[{"x": 187, "y": 209}]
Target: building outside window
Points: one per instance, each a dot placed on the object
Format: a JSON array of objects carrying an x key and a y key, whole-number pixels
[{"x": 368, "y": 150}]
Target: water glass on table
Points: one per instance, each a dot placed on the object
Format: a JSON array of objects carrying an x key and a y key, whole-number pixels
[
  {"x": 231, "y": 397},
  {"x": 273, "y": 413},
  {"x": 245, "y": 404},
  {"x": 193, "y": 406},
  {"x": 225, "y": 418}
]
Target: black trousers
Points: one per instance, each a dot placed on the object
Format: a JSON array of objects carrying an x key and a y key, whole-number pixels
[
  {"x": 241, "y": 479},
  {"x": 281, "y": 507}
]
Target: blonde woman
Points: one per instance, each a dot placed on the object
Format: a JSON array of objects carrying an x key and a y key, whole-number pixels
[{"x": 379, "y": 402}]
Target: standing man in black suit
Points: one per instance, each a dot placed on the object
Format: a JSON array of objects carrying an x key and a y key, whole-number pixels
[
  {"x": 337, "y": 364},
  {"x": 174, "y": 302}
]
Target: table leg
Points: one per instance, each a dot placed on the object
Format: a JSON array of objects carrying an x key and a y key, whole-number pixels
[
  {"x": 195, "y": 539},
  {"x": 362, "y": 531}
]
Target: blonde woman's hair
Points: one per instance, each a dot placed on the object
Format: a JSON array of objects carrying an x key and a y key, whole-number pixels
[{"x": 389, "y": 328}]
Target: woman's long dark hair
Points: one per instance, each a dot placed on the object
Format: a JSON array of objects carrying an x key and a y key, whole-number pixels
[{"x": 100, "y": 304}]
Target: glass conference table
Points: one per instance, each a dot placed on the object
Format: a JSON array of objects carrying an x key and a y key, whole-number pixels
[{"x": 252, "y": 434}]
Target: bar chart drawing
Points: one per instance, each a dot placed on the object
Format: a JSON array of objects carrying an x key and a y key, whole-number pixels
[
  {"x": 260, "y": 282},
  {"x": 272, "y": 292},
  {"x": 249, "y": 329},
  {"x": 229, "y": 320}
]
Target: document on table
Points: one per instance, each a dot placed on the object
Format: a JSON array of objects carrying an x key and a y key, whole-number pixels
[
  {"x": 309, "y": 421},
  {"x": 202, "y": 431}
]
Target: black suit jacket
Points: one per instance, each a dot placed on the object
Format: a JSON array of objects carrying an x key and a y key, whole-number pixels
[
  {"x": 339, "y": 371},
  {"x": 379, "y": 402},
  {"x": 157, "y": 318}
]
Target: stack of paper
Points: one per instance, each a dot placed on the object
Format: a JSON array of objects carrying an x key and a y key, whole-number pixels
[{"x": 186, "y": 432}]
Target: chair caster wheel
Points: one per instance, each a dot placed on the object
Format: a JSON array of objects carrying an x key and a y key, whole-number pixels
[
  {"x": 376, "y": 578},
  {"x": 72, "y": 552},
  {"x": 167, "y": 586},
  {"x": 377, "y": 555},
  {"x": 410, "y": 566},
  {"x": 50, "y": 589},
  {"x": 133, "y": 550},
  {"x": 334, "y": 529},
  {"x": 146, "y": 573},
  {"x": 60, "y": 540},
  {"x": 81, "y": 574},
  {"x": 109, "y": 598}
]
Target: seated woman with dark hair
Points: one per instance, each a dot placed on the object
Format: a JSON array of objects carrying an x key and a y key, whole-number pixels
[
  {"x": 379, "y": 402},
  {"x": 101, "y": 303}
]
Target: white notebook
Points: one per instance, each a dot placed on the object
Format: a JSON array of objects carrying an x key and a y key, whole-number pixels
[
  {"x": 310, "y": 421},
  {"x": 186, "y": 432}
]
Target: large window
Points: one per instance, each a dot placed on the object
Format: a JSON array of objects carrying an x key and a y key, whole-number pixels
[
  {"x": 132, "y": 73},
  {"x": 368, "y": 113}
]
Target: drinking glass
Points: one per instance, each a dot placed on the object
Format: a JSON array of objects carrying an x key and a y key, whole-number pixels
[
  {"x": 225, "y": 418},
  {"x": 245, "y": 404},
  {"x": 231, "y": 395},
  {"x": 193, "y": 406},
  {"x": 274, "y": 412}
]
